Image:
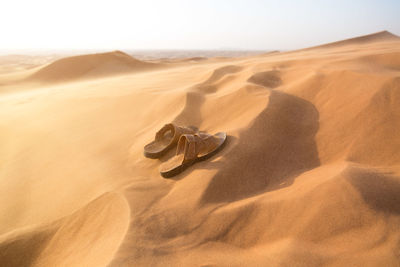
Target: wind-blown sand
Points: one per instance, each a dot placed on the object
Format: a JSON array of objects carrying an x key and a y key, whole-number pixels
[{"x": 310, "y": 175}]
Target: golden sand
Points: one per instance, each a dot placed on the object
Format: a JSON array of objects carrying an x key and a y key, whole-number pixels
[{"x": 310, "y": 175}]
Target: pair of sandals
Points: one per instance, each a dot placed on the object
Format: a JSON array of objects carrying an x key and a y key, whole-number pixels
[{"x": 192, "y": 146}]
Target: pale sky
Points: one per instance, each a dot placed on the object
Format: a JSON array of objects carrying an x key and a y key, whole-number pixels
[{"x": 179, "y": 24}]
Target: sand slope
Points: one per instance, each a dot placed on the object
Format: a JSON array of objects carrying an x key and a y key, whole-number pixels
[
  {"x": 384, "y": 36},
  {"x": 90, "y": 66},
  {"x": 310, "y": 175}
]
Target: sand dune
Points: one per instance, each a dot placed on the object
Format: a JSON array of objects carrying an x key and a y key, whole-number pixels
[
  {"x": 90, "y": 66},
  {"x": 310, "y": 175},
  {"x": 366, "y": 39}
]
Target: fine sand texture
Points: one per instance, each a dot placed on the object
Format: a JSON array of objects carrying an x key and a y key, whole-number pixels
[{"x": 309, "y": 176}]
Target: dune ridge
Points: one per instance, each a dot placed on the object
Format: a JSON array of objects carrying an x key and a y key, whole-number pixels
[
  {"x": 90, "y": 66},
  {"x": 365, "y": 39},
  {"x": 310, "y": 175}
]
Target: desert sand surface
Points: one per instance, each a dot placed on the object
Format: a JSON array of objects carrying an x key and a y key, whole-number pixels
[{"x": 310, "y": 175}]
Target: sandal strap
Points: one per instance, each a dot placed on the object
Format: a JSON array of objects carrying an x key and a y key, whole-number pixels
[
  {"x": 206, "y": 139},
  {"x": 167, "y": 127},
  {"x": 180, "y": 130},
  {"x": 176, "y": 131},
  {"x": 189, "y": 145}
]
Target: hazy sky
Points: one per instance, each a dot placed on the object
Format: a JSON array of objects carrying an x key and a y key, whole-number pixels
[{"x": 179, "y": 24}]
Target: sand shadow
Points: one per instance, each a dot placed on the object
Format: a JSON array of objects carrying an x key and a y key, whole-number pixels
[
  {"x": 270, "y": 79},
  {"x": 277, "y": 147},
  {"x": 379, "y": 190},
  {"x": 24, "y": 249}
]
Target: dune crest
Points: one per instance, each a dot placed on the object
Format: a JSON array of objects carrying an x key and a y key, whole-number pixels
[
  {"x": 90, "y": 66},
  {"x": 92, "y": 231},
  {"x": 364, "y": 39}
]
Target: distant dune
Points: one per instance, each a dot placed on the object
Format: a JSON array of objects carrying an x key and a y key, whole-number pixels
[
  {"x": 370, "y": 38},
  {"x": 90, "y": 66},
  {"x": 310, "y": 174}
]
